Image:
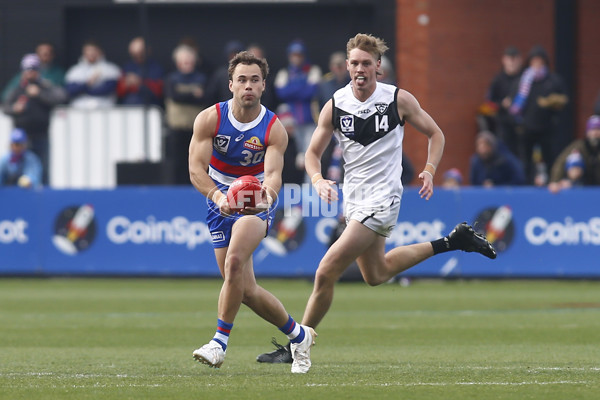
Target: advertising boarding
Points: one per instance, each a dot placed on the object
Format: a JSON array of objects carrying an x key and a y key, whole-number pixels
[{"x": 161, "y": 231}]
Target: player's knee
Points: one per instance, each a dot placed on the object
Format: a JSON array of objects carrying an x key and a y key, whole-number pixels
[
  {"x": 371, "y": 277},
  {"x": 233, "y": 264},
  {"x": 372, "y": 280},
  {"x": 325, "y": 276}
]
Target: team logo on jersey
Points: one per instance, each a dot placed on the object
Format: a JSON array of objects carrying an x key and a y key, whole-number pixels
[
  {"x": 221, "y": 144},
  {"x": 254, "y": 144},
  {"x": 347, "y": 124},
  {"x": 381, "y": 107}
]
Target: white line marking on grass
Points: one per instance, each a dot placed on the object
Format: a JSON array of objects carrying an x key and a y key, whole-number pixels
[
  {"x": 356, "y": 384},
  {"x": 526, "y": 369}
]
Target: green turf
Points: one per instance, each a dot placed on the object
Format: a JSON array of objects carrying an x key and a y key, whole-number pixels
[{"x": 133, "y": 339}]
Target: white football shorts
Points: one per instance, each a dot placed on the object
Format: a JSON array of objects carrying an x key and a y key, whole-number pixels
[{"x": 381, "y": 218}]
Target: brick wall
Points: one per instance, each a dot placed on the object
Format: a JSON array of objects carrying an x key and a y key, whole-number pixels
[
  {"x": 587, "y": 63},
  {"x": 448, "y": 58}
]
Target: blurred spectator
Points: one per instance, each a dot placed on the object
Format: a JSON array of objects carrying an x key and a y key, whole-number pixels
[
  {"x": 185, "y": 97},
  {"x": 584, "y": 153},
  {"x": 297, "y": 85},
  {"x": 386, "y": 72},
  {"x": 142, "y": 77},
  {"x": 30, "y": 104},
  {"x": 218, "y": 86},
  {"x": 335, "y": 79},
  {"x": 574, "y": 169},
  {"x": 541, "y": 95},
  {"x": 291, "y": 173},
  {"x": 92, "y": 82},
  {"x": 408, "y": 170},
  {"x": 498, "y": 97},
  {"x": 20, "y": 167},
  {"x": 268, "y": 97},
  {"x": 493, "y": 165},
  {"x": 48, "y": 69},
  {"x": 452, "y": 179},
  {"x": 202, "y": 64}
]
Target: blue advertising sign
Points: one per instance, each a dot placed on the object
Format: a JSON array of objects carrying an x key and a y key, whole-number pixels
[{"x": 161, "y": 231}]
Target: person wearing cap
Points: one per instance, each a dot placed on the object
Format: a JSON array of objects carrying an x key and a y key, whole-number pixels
[
  {"x": 575, "y": 168},
  {"x": 48, "y": 69},
  {"x": 20, "y": 166},
  {"x": 582, "y": 152},
  {"x": 493, "y": 164},
  {"x": 498, "y": 96},
  {"x": 452, "y": 179},
  {"x": 297, "y": 86},
  {"x": 30, "y": 105},
  {"x": 536, "y": 103}
]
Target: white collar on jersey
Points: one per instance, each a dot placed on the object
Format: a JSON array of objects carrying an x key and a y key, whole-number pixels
[{"x": 244, "y": 126}]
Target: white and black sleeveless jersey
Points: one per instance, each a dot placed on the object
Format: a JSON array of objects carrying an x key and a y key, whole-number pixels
[{"x": 370, "y": 134}]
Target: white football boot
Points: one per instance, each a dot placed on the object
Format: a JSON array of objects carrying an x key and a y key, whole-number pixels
[
  {"x": 301, "y": 351},
  {"x": 211, "y": 354}
]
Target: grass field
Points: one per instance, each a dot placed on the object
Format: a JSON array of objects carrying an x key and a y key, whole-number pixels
[{"x": 133, "y": 339}]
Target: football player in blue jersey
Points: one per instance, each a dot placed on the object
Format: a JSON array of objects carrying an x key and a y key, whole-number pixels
[{"x": 234, "y": 138}]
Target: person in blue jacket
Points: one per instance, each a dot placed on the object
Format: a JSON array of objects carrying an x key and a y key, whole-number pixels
[
  {"x": 20, "y": 166},
  {"x": 297, "y": 85},
  {"x": 493, "y": 164}
]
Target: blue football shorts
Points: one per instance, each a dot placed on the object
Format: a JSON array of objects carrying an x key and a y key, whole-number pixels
[{"x": 220, "y": 226}]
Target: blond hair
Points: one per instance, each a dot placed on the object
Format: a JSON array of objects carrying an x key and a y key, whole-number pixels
[{"x": 369, "y": 43}]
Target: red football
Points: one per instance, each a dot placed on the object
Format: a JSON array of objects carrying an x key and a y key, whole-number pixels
[{"x": 245, "y": 191}]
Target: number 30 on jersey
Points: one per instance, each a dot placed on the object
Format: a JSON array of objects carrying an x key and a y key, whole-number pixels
[{"x": 252, "y": 158}]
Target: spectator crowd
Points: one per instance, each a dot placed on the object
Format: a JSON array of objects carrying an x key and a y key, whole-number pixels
[{"x": 519, "y": 141}]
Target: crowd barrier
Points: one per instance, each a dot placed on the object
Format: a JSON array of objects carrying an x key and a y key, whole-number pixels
[
  {"x": 87, "y": 145},
  {"x": 161, "y": 231}
]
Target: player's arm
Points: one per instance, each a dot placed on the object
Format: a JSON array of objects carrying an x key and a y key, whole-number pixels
[
  {"x": 318, "y": 143},
  {"x": 410, "y": 109},
  {"x": 200, "y": 152},
  {"x": 278, "y": 141}
]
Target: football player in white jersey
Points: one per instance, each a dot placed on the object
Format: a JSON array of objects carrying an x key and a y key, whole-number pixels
[{"x": 368, "y": 118}]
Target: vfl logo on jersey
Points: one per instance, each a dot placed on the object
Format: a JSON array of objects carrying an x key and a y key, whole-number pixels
[
  {"x": 254, "y": 144},
  {"x": 221, "y": 144},
  {"x": 381, "y": 107},
  {"x": 347, "y": 124}
]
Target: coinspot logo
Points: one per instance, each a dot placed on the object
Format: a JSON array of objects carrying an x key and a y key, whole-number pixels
[
  {"x": 74, "y": 229},
  {"x": 497, "y": 225}
]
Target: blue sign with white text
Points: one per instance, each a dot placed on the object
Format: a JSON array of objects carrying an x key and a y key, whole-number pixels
[{"x": 161, "y": 231}]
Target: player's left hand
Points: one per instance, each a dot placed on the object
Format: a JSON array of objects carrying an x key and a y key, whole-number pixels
[
  {"x": 427, "y": 188},
  {"x": 263, "y": 206}
]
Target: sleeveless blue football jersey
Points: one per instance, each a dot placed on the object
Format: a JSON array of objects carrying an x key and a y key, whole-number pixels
[{"x": 239, "y": 148}]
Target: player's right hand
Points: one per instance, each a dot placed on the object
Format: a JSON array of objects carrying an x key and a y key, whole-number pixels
[
  {"x": 327, "y": 190},
  {"x": 224, "y": 208}
]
